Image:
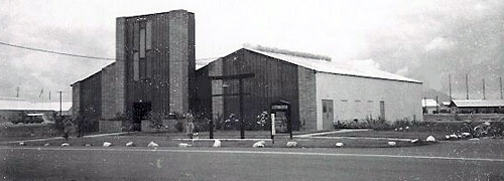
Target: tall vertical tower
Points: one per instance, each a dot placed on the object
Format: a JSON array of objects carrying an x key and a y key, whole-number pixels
[{"x": 155, "y": 63}]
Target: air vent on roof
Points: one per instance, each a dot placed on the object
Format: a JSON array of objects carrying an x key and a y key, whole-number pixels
[{"x": 287, "y": 52}]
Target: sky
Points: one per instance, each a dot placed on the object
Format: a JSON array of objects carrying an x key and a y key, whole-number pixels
[{"x": 425, "y": 40}]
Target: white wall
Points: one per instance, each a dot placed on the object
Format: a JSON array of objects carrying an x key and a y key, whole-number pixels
[{"x": 357, "y": 97}]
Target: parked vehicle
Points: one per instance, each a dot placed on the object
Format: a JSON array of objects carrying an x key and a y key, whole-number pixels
[{"x": 31, "y": 118}]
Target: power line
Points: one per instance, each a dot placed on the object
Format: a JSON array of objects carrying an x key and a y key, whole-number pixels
[
  {"x": 55, "y": 52},
  {"x": 75, "y": 55}
]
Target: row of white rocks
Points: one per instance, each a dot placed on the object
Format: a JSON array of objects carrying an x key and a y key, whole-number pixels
[
  {"x": 218, "y": 143},
  {"x": 105, "y": 144}
]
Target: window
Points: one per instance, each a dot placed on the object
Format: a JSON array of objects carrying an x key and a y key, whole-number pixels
[
  {"x": 142, "y": 42},
  {"x": 136, "y": 73},
  {"x": 136, "y": 36},
  {"x": 148, "y": 35}
]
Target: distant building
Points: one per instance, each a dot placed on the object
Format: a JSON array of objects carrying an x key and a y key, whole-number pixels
[
  {"x": 477, "y": 106},
  {"x": 13, "y": 108},
  {"x": 320, "y": 92},
  {"x": 430, "y": 106},
  {"x": 154, "y": 70}
]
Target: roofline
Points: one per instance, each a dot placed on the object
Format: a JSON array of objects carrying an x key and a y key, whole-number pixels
[
  {"x": 89, "y": 76},
  {"x": 166, "y": 12},
  {"x": 478, "y": 106},
  {"x": 223, "y": 57},
  {"x": 351, "y": 75},
  {"x": 368, "y": 77}
]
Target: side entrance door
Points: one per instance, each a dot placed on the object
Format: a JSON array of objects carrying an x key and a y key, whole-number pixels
[
  {"x": 328, "y": 114},
  {"x": 140, "y": 111}
]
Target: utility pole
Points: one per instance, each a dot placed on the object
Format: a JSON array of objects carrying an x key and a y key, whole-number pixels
[
  {"x": 61, "y": 104},
  {"x": 449, "y": 86},
  {"x": 17, "y": 92},
  {"x": 500, "y": 79},
  {"x": 467, "y": 87},
  {"x": 437, "y": 105},
  {"x": 484, "y": 96}
]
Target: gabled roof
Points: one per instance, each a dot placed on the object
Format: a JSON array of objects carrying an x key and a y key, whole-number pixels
[
  {"x": 325, "y": 66},
  {"x": 477, "y": 103},
  {"x": 200, "y": 63}
]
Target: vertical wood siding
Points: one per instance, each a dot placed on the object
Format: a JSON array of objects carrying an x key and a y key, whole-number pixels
[
  {"x": 155, "y": 88},
  {"x": 274, "y": 80}
]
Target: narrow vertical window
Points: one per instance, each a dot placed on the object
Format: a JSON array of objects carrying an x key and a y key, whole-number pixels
[
  {"x": 136, "y": 34},
  {"x": 142, "y": 68},
  {"x": 148, "y": 67},
  {"x": 136, "y": 73},
  {"x": 148, "y": 35},
  {"x": 142, "y": 43}
]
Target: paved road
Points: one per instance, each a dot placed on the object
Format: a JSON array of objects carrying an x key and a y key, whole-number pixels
[{"x": 121, "y": 163}]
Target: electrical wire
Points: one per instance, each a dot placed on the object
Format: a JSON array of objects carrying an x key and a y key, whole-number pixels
[
  {"x": 55, "y": 52},
  {"x": 74, "y": 55}
]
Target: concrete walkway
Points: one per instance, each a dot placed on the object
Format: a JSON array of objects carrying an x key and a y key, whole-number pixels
[
  {"x": 362, "y": 138},
  {"x": 59, "y": 138},
  {"x": 330, "y": 132},
  {"x": 319, "y": 135}
]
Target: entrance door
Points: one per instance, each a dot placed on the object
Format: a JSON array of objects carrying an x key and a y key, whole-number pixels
[
  {"x": 140, "y": 111},
  {"x": 382, "y": 110},
  {"x": 328, "y": 114}
]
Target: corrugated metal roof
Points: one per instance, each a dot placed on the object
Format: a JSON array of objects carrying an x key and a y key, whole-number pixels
[
  {"x": 325, "y": 66},
  {"x": 19, "y": 104},
  {"x": 478, "y": 103}
]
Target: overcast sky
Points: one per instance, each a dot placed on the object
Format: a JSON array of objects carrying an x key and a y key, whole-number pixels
[{"x": 424, "y": 40}]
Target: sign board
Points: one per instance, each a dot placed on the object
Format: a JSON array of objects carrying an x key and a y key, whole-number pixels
[
  {"x": 282, "y": 118},
  {"x": 273, "y": 130}
]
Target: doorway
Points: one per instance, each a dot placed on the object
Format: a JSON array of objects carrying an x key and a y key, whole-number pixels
[
  {"x": 328, "y": 114},
  {"x": 382, "y": 110},
  {"x": 140, "y": 112}
]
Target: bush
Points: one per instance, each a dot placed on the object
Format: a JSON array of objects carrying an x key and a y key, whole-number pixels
[
  {"x": 367, "y": 123},
  {"x": 179, "y": 126}
]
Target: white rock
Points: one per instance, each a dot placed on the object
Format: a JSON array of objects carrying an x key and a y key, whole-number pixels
[
  {"x": 87, "y": 145},
  {"x": 152, "y": 144},
  {"x": 407, "y": 128},
  {"x": 291, "y": 144},
  {"x": 183, "y": 145},
  {"x": 431, "y": 139},
  {"x": 447, "y": 137},
  {"x": 128, "y": 144},
  {"x": 453, "y": 135},
  {"x": 107, "y": 144},
  {"x": 395, "y": 129},
  {"x": 415, "y": 141},
  {"x": 392, "y": 143},
  {"x": 65, "y": 144},
  {"x": 474, "y": 139},
  {"x": 339, "y": 144},
  {"x": 259, "y": 144},
  {"x": 22, "y": 144},
  {"x": 466, "y": 134},
  {"x": 400, "y": 129},
  {"x": 47, "y": 144},
  {"x": 216, "y": 144}
]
